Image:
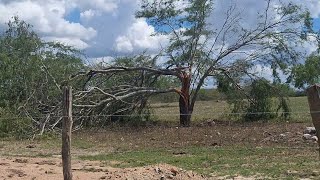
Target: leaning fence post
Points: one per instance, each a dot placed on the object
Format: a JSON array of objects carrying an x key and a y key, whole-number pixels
[
  {"x": 313, "y": 93},
  {"x": 66, "y": 132}
]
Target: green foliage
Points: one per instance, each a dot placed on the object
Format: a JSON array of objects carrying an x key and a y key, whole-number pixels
[
  {"x": 31, "y": 72},
  {"x": 308, "y": 73},
  {"x": 260, "y": 106},
  {"x": 12, "y": 125},
  {"x": 259, "y": 100}
]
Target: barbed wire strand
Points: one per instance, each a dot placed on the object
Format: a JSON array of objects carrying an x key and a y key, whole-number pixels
[{"x": 171, "y": 114}]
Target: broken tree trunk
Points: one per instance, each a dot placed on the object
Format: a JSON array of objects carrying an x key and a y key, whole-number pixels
[
  {"x": 184, "y": 101},
  {"x": 313, "y": 93}
]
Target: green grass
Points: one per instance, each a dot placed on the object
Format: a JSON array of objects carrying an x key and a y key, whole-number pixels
[
  {"x": 266, "y": 162},
  {"x": 209, "y": 110}
]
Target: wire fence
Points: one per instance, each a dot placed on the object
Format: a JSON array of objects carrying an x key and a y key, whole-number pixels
[{"x": 173, "y": 114}]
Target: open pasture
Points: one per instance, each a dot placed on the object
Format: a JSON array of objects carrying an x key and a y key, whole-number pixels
[{"x": 220, "y": 150}]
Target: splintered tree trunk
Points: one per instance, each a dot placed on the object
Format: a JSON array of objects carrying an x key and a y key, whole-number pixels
[
  {"x": 313, "y": 93},
  {"x": 184, "y": 102},
  {"x": 185, "y": 116}
]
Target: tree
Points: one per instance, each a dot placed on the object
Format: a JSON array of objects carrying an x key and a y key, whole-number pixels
[
  {"x": 31, "y": 72},
  {"x": 198, "y": 51},
  {"x": 118, "y": 92},
  {"x": 194, "y": 44},
  {"x": 307, "y": 73}
]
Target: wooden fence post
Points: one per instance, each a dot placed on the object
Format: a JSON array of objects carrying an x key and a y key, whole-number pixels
[
  {"x": 66, "y": 132},
  {"x": 313, "y": 93}
]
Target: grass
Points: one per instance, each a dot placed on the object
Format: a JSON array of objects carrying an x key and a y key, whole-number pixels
[
  {"x": 268, "y": 162},
  {"x": 205, "y": 110}
]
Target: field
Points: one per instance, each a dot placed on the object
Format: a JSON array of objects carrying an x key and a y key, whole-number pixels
[
  {"x": 220, "y": 110},
  {"x": 213, "y": 148}
]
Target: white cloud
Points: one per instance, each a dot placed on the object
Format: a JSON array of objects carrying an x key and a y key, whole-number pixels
[
  {"x": 100, "y": 61},
  {"x": 101, "y": 5},
  {"x": 262, "y": 71},
  {"x": 89, "y": 14},
  {"x": 139, "y": 36},
  {"x": 123, "y": 44},
  {"x": 48, "y": 20},
  {"x": 74, "y": 42},
  {"x": 108, "y": 27}
]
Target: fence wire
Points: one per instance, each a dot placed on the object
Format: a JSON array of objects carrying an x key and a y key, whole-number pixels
[{"x": 170, "y": 114}]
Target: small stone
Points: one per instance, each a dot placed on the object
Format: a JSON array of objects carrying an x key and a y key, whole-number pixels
[
  {"x": 315, "y": 138},
  {"x": 211, "y": 123},
  {"x": 214, "y": 144},
  {"x": 157, "y": 170},
  {"x": 310, "y": 130},
  {"x": 174, "y": 172},
  {"x": 30, "y": 146},
  {"x": 282, "y": 135},
  {"x": 315, "y": 173},
  {"x": 162, "y": 177},
  {"x": 307, "y": 136},
  {"x": 290, "y": 172},
  {"x": 21, "y": 160},
  {"x": 170, "y": 177}
]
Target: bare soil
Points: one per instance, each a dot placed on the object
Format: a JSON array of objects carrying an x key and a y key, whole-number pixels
[{"x": 51, "y": 169}]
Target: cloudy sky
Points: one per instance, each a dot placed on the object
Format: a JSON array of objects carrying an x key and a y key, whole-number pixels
[{"x": 106, "y": 28}]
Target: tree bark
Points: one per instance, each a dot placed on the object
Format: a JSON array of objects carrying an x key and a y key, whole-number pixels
[
  {"x": 184, "y": 101},
  {"x": 66, "y": 133}
]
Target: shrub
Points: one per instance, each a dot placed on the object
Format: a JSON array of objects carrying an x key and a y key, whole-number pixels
[{"x": 12, "y": 125}]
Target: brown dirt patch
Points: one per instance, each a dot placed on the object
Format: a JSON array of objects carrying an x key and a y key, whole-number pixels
[{"x": 51, "y": 169}]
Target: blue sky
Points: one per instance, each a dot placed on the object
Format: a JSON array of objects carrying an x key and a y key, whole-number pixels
[
  {"x": 316, "y": 24},
  {"x": 73, "y": 15}
]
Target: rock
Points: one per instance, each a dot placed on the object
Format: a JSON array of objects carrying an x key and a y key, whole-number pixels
[
  {"x": 307, "y": 137},
  {"x": 21, "y": 160},
  {"x": 162, "y": 177},
  {"x": 310, "y": 130},
  {"x": 211, "y": 123},
  {"x": 174, "y": 172},
  {"x": 170, "y": 177},
  {"x": 214, "y": 144},
  {"x": 315, "y": 173},
  {"x": 315, "y": 138},
  {"x": 157, "y": 170},
  {"x": 31, "y": 146},
  {"x": 282, "y": 135},
  {"x": 292, "y": 172}
]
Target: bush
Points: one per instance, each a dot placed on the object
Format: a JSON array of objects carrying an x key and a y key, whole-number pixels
[
  {"x": 12, "y": 125},
  {"x": 260, "y": 106}
]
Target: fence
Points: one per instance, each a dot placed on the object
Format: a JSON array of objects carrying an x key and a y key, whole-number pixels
[{"x": 212, "y": 133}]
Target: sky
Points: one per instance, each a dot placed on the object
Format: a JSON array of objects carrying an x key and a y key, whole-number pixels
[{"x": 108, "y": 28}]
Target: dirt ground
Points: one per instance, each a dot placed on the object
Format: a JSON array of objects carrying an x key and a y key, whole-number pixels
[
  {"x": 51, "y": 169},
  {"x": 19, "y": 161}
]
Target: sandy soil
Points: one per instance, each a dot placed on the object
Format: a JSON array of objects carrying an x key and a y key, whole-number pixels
[{"x": 51, "y": 169}]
